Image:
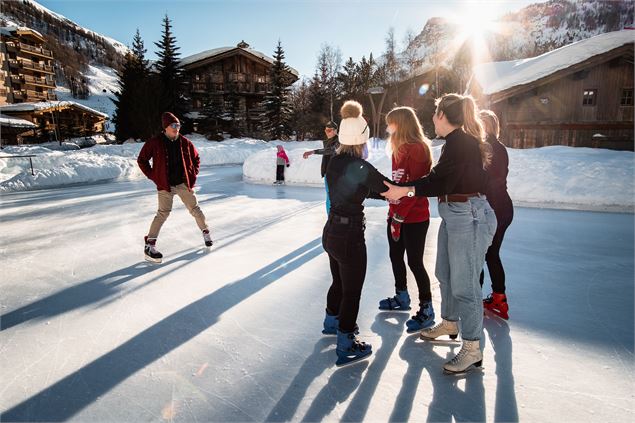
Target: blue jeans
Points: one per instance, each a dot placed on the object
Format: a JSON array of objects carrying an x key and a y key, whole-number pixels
[{"x": 465, "y": 233}]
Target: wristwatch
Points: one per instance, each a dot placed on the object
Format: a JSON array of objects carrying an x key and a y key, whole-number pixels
[{"x": 411, "y": 192}]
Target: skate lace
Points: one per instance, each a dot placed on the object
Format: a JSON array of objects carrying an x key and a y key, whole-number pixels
[
  {"x": 460, "y": 355},
  {"x": 151, "y": 248}
]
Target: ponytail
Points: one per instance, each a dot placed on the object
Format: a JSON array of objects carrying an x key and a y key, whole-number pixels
[{"x": 472, "y": 125}]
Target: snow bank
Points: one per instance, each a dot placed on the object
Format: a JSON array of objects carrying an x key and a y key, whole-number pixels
[{"x": 560, "y": 177}]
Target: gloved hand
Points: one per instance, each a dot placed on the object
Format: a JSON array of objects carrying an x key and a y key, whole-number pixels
[
  {"x": 395, "y": 227},
  {"x": 288, "y": 164}
]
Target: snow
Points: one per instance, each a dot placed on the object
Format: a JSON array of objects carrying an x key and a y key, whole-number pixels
[
  {"x": 557, "y": 177},
  {"x": 90, "y": 332},
  {"x": 494, "y": 77},
  {"x": 45, "y": 105},
  {"x": 15, "y": 122},
  {"x": 99, "y": 78}
]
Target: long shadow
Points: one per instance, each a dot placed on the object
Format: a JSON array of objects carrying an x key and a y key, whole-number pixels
[
  {"x": 390, "y": 334},
  {"x": 319, "y": 360},
  {"x": 449, "y": 403},
  {"x": 506, "y": 408},
  {"x": 76, "y": 391},
  {"x": 340, "y": 386},
  {"x": 89, "y": 292}
]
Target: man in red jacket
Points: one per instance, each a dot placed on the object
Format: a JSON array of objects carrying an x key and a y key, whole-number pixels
[{"x": 175, "y": 165}]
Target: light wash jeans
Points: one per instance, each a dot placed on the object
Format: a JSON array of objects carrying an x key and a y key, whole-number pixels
[{"x": 465, "y": 234}]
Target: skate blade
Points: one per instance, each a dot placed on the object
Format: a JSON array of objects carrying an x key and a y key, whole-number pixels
[
  {"x": 153, "y": 260},
  {"x": 470, "y": 369},
  {"x": 343, "y": 362}
]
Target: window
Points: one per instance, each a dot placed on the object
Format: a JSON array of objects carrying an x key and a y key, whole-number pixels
[
  {"x": 627, "y": 97},
  {"x": 590, "y": 97}
]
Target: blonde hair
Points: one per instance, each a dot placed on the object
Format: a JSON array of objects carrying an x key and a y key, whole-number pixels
[
  {"x": 490, "y": 123},
  {"x": 461, "y": 111},
  {"x": 408, "y": 131},
  {"x": 352, "y": 150}
]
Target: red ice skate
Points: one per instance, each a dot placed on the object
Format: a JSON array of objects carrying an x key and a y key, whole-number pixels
[{"x": 497, "y": 304}]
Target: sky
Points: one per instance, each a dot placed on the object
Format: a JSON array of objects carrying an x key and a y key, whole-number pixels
[{"x": 356, "y": 27}]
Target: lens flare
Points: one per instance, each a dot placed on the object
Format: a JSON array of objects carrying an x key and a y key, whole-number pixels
[{"x": 424, "y": 89}]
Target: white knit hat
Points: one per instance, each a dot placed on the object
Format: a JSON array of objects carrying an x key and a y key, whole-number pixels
[{"x": 354, "y": 129}]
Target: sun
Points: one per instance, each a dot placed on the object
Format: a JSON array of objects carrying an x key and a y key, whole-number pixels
[{"x": 476, "y": 21}]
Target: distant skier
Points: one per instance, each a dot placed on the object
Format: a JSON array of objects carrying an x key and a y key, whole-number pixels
[
  {"x": 350, "y": 179},
  {"x": 174, "y": 168},
  {"x": 329, "y": 149},
  {"x": 281, "y": 161},
  {"x": 500, "y": 201}
]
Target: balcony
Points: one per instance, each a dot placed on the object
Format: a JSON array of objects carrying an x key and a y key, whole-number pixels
[
  {"x": 45, "y": 81},
  {"x": 38, "y": 67},
  {"x": 38, "y": 51},
  {"x": 38, "y": 96}
]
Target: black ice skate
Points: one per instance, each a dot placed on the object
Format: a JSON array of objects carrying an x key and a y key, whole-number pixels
[{"x": 151, "y": 253}]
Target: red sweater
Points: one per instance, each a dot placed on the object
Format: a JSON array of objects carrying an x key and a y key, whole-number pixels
[
  {"x": 412, "y": 165},
  {"x": 155, "y": 149}
]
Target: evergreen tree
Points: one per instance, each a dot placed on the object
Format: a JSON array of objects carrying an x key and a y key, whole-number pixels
[
  {"x": 276, "y": 103},
  {"x": 349, "y": 81},
  {"x": 169, "y": 75}
]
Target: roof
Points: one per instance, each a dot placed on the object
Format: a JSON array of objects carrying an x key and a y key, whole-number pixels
[
  {"x": 494, "y": 77},
  {"x": 218, "y": 51},
  {"x": 47, "y": 105},
  {"x": 14, "y": 122},
  {"x": 12, "y": 31}
]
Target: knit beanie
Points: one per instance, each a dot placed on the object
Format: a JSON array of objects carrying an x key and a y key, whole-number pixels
[
  {"x": 353, "y": 127},
  {"x": 168, "y": 118}
]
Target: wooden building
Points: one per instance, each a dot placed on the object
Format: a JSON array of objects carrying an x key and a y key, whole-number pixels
[
  {"x": 228, "y": 85},
  {"x": 26, "y": 67},
  {"x": 55, "y": 120},
  {"x": 578, "y": 95}
]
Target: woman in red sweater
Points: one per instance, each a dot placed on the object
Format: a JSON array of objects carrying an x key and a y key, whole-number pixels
[{"x": 409, "y": 217}]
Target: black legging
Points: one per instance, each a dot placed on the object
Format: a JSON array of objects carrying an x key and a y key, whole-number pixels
[
  {"x": 280, "y": 173},
  {"x": 504, "y": 216},
  {"x": 412, "y": 242},
  {"x": 346, "y": 249}
]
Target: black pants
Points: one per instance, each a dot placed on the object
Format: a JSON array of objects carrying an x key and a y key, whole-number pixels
[
  {"x": 280, "y": 173},
  {"x": 504, "y": 216},
  {"x": 346, "y": 248},
  {"x": 412, "y": 242}
]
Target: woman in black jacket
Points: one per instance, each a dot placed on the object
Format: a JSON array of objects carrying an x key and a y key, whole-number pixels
[
  {"x": 350, "y": 179},
  {"x": 468, "y": 224},
  {"x": 498, "y": 198}
]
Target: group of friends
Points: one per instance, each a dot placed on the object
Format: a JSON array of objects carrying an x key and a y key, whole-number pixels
[{"x": 469, "y": 181}]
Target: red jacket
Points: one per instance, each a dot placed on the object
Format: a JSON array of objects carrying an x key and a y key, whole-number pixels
[
  {"x": 412, "y": 165},
  {"x": 155, "y": 149}
]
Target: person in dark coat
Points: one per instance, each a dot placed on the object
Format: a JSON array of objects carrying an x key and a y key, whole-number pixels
[
  {"x": 330, "y": 146},
  {"x": 174, "y": 168},
  {"x": 500, "y": 201}
]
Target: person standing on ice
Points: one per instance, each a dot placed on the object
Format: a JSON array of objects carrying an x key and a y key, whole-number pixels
[
  {"x": 350, "y": 179},
  {"x": 329, "y": 149},
  {"x": 467, "y": 226},
  {"x": 174, "y": 168},
  {"x": 498, "y": 198},
  {"x": 281, "y": 161},
  {"x": 409, "y": 217}
]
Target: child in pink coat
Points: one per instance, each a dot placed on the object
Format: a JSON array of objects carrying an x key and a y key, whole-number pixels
[{"x": 281, "y": 161}]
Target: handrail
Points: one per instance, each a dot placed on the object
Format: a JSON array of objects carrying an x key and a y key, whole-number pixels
[{"x": 25, "y": 155}]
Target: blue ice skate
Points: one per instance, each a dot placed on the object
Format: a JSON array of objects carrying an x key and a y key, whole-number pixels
[
  {"x": 400, "y": 302},
  {"x": 423, "y": 319},
  {"x": 331, "y": 323},
  {"x": 349, "y": 350}
]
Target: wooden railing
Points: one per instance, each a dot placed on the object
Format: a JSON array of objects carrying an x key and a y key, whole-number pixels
[
  {"x": 27, "y": 64},
  {"x": 37, "y": 50}
]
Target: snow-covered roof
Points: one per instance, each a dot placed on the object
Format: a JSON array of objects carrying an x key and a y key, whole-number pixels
[
  {"x": 15, "y": 122},
  {"x": 217, "y": 51},
  {"x": 494, "y": 77},
  {"x": 11, "y": 30},
  {"x": 45, "y": 105}
]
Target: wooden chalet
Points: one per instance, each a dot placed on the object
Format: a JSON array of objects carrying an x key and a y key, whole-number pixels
[
  {"x": 578, "y": 95},
  {"x": 54, "y": 120},
  {"x": 234, "y": 81}
]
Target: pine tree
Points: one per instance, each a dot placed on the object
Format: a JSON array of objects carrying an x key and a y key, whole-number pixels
[
  {"x": 276, "y": 103},
  {"x": 349, "y": 81},
  {"x": 169, "y": 74}
]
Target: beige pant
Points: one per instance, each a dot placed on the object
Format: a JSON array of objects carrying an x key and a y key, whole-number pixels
[{"x": 166, "y": 199}]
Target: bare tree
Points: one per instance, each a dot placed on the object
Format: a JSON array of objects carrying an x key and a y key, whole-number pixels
[{"x": 329, "y": 66}]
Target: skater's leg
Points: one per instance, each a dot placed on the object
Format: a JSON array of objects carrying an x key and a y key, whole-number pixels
[
  {"x": 279, "y": 173},
  {"x": 396, "y": 250},
  {"x": 442, "y": 272},
  {"x": 191, "y": 203},
  {"x": 414, "y": 238},
  {"x": 494, "y": 264},
  {"x": 334, "y": 295},
  {"x": 352, "y": 272},
  {"x": 165, "y": 200}
]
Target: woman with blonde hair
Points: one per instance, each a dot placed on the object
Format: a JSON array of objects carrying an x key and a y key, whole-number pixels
[
  {"x": 500, "y": 201},
  {"x": 467, "y": 226},
  {"x": 409, "y": 217},
  {"x": 350, "y": 179}
]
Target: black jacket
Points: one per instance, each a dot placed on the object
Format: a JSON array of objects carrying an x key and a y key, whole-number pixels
[
  {"x": 497, "y": 171},
  {"x": 329, "y": 149},
  {"x": 459, "y": 170},
  {"x": 350, "y": 181}
]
